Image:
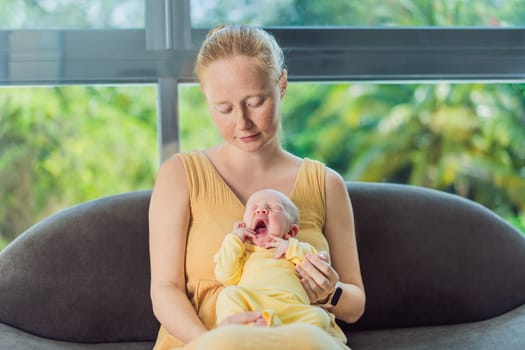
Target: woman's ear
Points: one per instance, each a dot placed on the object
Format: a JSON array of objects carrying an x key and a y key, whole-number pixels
[{"x": 283, "y": 83}]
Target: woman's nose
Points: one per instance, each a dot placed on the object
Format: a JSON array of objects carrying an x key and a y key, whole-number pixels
[{"x": 243, "y": 119}]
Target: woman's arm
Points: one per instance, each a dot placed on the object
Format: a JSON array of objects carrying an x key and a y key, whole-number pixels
[
  {"x": 318, "y": 277},
  {"x": 340, "y": 233},
  {"x": 168, "y": 225}
]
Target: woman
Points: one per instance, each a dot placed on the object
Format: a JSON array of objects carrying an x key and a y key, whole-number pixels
[{"x": 198, "y": 195}]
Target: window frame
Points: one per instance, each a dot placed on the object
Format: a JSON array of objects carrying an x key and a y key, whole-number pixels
[{"x": 164, "y": 53}]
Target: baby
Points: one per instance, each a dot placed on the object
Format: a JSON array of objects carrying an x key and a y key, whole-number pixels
[{"x": 256, "y": 263}]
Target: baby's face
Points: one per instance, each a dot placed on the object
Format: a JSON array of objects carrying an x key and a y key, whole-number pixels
[{"x": 266, "y": 215}]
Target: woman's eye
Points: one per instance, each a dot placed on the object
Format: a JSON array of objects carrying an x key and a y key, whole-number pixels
[
  {"x": 223, "y": 109},
  {"x": 255, "y": 102}
]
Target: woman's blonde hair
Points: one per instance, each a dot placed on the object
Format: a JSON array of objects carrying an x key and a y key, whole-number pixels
[{"x": 226, "y": 41}]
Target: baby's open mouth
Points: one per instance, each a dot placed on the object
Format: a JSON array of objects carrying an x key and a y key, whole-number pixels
[{"x": 260, "y": 227}]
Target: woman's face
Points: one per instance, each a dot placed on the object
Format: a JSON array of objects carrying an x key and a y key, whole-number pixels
[{"x": 244, "y": 102}]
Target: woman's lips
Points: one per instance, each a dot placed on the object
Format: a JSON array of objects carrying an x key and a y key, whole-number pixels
[{"x": 249, "y": 137}]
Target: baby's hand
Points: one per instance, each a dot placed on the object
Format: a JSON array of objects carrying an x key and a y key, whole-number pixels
[
  {"x": 280, "y": 244},
  {"x": 244, "y": 233}
]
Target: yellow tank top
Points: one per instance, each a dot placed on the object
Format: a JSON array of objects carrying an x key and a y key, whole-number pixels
[{"x": 214, "y": 208}]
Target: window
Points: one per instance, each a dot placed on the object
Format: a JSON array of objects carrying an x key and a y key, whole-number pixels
[
  {"x": 78, "y": 14},
  {"x": 375, "y": 65},
  {"x": 367, "y": 13},
  {"x": 60, "y": 146}
]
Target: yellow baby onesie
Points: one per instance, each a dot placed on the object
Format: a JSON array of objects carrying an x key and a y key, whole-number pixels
[{"x": 257, "y": 282}]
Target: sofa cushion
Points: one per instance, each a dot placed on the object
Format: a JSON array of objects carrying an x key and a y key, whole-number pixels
[
  {"x": 82, "y": 274},
  {"x": 430, "y": 258}
]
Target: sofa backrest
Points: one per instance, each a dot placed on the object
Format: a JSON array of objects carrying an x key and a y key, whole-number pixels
[
  {"x": 82, "y": 274},
  {"x": 430, "y": 258},
  {"x": 427, "y": 258}
]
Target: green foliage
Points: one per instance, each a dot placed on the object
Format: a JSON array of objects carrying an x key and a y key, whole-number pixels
[
  {"x": 518, "y": 222},
  {"x": 362, "y": 13},
  {"x": 64, "y": 145},
  {"x": 405, "y": 13},
  {"x": 3, "y": 243},
  {"x": 467, "y": 139}
]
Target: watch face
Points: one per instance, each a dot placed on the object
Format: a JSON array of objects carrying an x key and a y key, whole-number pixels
[{"x": 337, "y": 294}]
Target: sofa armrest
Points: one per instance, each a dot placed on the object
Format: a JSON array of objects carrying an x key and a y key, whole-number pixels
[{"x": 82, "y": 274}]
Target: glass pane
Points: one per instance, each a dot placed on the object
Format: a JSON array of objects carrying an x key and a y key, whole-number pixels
[
  {"x": 505, "y": 13},
  {"x": 62, "y": 14},
  {"x": 60, "y": 146},
  {"x": 467, "y": 139}
]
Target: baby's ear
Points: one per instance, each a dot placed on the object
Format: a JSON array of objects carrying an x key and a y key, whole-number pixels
[{"x": 294, "y": 230}]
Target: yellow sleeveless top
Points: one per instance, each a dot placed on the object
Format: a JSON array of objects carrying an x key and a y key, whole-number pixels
[{"x": 214, "y": 208}]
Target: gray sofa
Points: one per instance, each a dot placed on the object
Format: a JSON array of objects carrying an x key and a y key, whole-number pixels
[{"x": 440, "y": 272}]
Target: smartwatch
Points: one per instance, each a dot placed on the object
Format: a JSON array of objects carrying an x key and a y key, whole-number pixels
[
  {"x": 333, "y": 298},
  {"x": 336, "y": 296}
]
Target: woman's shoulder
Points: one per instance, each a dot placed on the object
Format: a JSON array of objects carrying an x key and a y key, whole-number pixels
[
  {"x": 174, "y": 171},
  {"x": 333, "y": 176},
  {"x": 335, "y": 186},
  {"x": 319, "y": 168},
  {"x": 185, "y": 160},
  {"x": 188, "y": 155},
  {"x": 332, "y": 179},
  {"x": 330, "y": 174},
  {"x": 170, "y": 166}
]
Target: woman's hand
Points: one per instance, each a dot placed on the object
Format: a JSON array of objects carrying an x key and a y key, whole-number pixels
[
  {"x": 318, "y": 277},
  {"x": 248, "y": 317}
]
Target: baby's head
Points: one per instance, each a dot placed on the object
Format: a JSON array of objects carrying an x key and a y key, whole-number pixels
[{"x": 271, "y": 213}]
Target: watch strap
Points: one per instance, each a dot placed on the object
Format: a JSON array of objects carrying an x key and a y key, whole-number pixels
[
  {"x": 333, "y": 298},
  {"x": 336, "y": 296}
]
